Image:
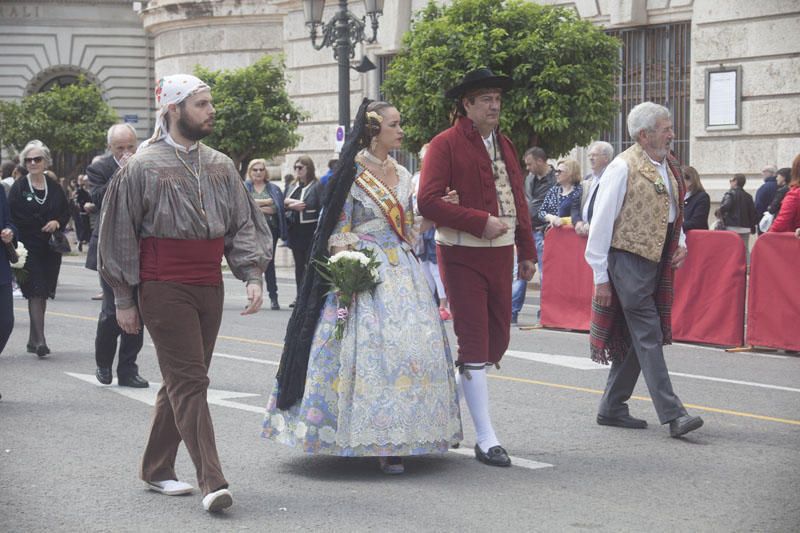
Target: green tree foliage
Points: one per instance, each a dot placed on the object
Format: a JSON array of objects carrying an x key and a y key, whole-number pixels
[
  {"x": 72, "y": 121},
  {"x": 564, "y": 70},
  {"x": 255, "y": 117}
]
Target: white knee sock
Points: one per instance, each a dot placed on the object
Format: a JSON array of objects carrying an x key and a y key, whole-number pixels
[{"x": 476, "y": 393}]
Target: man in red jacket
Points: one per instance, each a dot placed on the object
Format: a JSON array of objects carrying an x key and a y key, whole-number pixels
[{"x": 476, "y": 238}]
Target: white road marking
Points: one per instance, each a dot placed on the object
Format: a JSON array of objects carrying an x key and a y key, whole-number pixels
[
  {"x": 735, "y": 382},
  {"x": 515, "y": 461},
  {"x": 584, "y": 363},
  {"x": 569, "y": 361},
  {"x": 148, "y": 395}
]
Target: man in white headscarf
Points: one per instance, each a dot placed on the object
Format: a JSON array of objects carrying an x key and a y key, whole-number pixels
[{"x": 172, "y": 212}]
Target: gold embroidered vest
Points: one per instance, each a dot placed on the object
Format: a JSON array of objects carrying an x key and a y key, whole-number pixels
[{"x": 641, "y": 227}]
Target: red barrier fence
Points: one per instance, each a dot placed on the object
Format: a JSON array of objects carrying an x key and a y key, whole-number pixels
[
  {"x": 774, "y": 296},
  {"x": 709, "y": 288},
  {"x": 567, "y": 286}
]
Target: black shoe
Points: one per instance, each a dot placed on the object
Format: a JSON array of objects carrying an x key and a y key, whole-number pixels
[
  {"x": 103, "y": 375},
  {"x": 275, "y": 306},
  {"x": 136, "y": 381},
  {"x": 683, "y": 425},
  {"x": 496, "y": 456},
  {"x": 293, "y": 303},
  {"x": 624, "y": 421},
  {"x": 30, "y": 348},
  {"x": 42, "y": 350},
  {"x": 513, "y": 318}
]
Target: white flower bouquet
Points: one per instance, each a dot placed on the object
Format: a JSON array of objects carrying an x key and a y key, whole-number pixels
[
  {"x": 18, "y": 266},
  {"x": 349, "y": 273}
]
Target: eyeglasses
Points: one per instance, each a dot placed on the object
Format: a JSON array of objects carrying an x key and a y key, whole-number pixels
[
  {"x": 557, "y": 172},
  {"x": 299, "y": 167},
  {"x": 37, "y": 159}
]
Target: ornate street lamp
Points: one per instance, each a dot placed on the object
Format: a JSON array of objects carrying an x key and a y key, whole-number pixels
[{"x": 343, "y": 33}]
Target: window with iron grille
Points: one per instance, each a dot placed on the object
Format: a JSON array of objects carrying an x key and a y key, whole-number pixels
[
  {"x": 655, "y": 67},
  {"x": 404, "y": 157}
]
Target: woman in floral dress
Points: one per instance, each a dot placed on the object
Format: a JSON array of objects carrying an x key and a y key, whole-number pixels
[{"x": 387, "y": 388}]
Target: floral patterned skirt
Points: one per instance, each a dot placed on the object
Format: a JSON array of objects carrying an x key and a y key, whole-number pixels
[{"x": 387, "y": 388}]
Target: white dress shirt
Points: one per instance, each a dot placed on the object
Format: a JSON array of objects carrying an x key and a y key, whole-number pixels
[{"x": 607, "y": 206}]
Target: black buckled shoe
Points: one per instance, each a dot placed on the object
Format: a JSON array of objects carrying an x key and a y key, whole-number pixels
[
  {"x": 496, "y": 456},
  {"x": 624, "y": 421},
  {"x": 683, "y": 425},
  {"x": 103, "y": 375},
  {"x": 136, "y": 381}
]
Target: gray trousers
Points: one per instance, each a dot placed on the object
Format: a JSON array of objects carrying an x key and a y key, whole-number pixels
[{"x": 634, "y": 280}]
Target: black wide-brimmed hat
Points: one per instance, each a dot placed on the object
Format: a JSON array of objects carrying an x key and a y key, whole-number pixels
[{"x": 481, "y": 78}]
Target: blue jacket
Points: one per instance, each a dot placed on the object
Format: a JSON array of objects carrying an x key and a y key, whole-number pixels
[
  {"x": 277, "y": 197},
  {"x": 5, "y": 222},
  {"x": 765, "y": 194}
]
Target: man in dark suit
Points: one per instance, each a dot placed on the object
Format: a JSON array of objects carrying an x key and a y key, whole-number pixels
[{"x": 121, "y": 145}]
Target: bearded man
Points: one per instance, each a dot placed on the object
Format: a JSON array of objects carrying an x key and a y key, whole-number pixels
[{"x": 169, "y": 216}]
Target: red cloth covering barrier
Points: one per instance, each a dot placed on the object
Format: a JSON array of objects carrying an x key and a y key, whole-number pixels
[
  {"x": 710, "y": 290},
  {"x": 774, "y": 296},
  {"x": 566, "y": 297}
]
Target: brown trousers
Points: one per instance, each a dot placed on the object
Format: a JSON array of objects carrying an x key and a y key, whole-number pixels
[{"x": 183, "y": 321}]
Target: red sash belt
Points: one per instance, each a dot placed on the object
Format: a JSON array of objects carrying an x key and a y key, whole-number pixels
[{"x": 188, "y": 261}]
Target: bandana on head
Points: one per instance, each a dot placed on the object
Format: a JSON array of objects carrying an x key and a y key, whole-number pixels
[{"x": 173, "y": 90}]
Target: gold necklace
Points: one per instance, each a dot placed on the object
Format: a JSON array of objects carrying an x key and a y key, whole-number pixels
[{"x": 195, "y": 174}]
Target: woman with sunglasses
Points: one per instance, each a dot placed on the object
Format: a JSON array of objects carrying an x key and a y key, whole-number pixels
[
  {"x": 269, "y": 199},
  {"x": 562, "y": 203},
  {"x": 303, "y": 202},
  {"x": 39, "y": 207}
]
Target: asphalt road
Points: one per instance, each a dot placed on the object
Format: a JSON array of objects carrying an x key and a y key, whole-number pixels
[{"x": 70, "y": 448}]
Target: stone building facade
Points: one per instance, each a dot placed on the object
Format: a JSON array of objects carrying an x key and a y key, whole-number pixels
[
  {"x": 54, "y": 41},
  {"x": 124, "y": 45}
]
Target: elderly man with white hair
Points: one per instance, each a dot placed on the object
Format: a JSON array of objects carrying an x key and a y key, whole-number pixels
[
  {"x": 635, "y": 242},
  {"x": 600, "y": 155},
  {"x": 121, "y": 145},
  {"x": 168, "y": 217}
]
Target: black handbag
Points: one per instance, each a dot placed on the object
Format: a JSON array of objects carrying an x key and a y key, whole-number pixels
[{"x": 58, "y": 242}]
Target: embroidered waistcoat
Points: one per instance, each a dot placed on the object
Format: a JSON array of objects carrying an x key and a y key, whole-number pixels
[{"x": 641, "y": 226}]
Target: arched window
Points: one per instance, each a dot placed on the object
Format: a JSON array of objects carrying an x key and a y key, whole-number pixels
[{"x": 57, "y": 76}]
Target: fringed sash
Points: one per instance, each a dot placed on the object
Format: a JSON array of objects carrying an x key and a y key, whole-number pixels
[{"x": 385, "y": 199}]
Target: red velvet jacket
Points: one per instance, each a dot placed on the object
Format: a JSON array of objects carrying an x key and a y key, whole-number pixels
[{"x": 457, "y": 158}]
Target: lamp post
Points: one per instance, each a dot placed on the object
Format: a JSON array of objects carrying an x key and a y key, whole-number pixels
[{"x": 343, "y": 33}]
